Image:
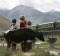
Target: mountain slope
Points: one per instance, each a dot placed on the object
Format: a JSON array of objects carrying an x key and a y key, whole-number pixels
[{"x": 4, "y": 23}]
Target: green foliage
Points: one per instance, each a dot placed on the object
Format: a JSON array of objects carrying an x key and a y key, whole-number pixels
[
  {"x": 4, "y": 52},
  {"x": 37, "y": 27}
]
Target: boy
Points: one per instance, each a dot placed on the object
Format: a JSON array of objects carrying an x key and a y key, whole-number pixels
[{"x": 12, "y": 27}]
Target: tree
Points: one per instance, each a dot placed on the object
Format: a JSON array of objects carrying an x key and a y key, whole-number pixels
[{"x": 37, "y": 27}]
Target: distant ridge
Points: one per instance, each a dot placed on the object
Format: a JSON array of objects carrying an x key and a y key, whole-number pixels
[
  {"x": 37, "y": 17},
  {"x": 4, "y": 23}
]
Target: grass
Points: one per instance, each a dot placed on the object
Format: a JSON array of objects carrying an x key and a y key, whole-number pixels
[
  {"x": 57, "y": 44},
  {"x": 4, "y": 52},
  {"x": 36, "y": 51}
]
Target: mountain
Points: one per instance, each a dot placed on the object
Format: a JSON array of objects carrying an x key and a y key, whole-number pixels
[
  {"x": 30, "y": 13},
  {"x": 52, "y": 16},
  {"x": 4, "y": 23}
]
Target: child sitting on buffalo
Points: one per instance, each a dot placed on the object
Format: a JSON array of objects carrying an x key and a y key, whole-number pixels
[{"x": 12, "y": 27}]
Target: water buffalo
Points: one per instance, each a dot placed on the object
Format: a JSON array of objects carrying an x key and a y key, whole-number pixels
[{"x": 21, "y": 35}]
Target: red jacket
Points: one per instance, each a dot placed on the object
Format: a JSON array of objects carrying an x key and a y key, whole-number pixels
[{"x": 23, "y": 24}]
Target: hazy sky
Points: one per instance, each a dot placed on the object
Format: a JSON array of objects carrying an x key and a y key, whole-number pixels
[{"x": 42, "y": 5}]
